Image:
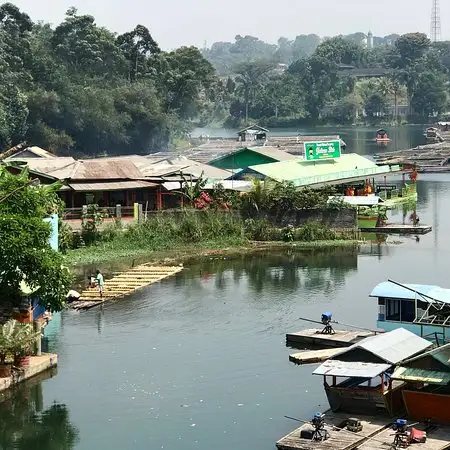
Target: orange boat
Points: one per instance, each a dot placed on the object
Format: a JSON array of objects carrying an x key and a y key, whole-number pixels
[{"x": 382, "y": 136}]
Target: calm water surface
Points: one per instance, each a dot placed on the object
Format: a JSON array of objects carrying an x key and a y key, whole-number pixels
[{"x": 199, "y": 361}]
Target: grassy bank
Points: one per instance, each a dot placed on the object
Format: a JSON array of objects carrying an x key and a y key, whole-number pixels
[{"x": 177, "y": 238}]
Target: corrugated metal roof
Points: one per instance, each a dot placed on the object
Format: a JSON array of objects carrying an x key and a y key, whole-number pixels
[
  {"x": 97, "y": 169},
  {"x": 421, "y": 375},
  {"x": 392, "y": 347},
  {"x": 441, "y": 354},
  {"x": 60, "y": 168},
  {"x": 39, "y": 152},
  {"x": 111, "y": 186},
  {"x": 303, "y": 173},
  {"x": 392, "y": 290},
  {"x": 271, "y": 152},
  {"x": 351, "y": 369}
]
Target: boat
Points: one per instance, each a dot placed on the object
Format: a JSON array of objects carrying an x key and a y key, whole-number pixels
[
  {"x": 382, "y": 136},
  {"x": 422, "y": 309},
  {"x": 427, "y": 377},
  {"x": 432, "y": 135}
]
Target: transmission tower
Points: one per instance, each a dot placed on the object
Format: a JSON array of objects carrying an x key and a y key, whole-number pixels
[{"x": 435, "y": 22}]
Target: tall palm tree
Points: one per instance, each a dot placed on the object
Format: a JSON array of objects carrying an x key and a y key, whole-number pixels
[{"x": 250, "y": 77}]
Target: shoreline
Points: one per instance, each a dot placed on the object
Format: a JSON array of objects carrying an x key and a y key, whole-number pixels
[{"x": 77, "y": 260}]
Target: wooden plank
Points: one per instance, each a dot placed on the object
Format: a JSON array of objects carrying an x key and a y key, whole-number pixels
[
  {"x": 437, "y": 439},
  {"x": 339, "y": 439},
  {"x": 314, "y": 356},
  {"x": 399, "y": 229},
  {"x": 342, "y": 338},
  {"x": 124, "y": 284}
]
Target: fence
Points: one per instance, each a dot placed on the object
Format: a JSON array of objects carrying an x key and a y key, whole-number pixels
[{"x": 117, "y": 211}]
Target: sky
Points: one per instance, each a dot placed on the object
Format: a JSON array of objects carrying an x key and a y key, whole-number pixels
[{"x": 173, "y": 23}]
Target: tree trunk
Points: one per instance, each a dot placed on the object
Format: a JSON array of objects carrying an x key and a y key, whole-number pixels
[
  {"x": 395, "y": 106},
  {"x": 246, "y": 113}
]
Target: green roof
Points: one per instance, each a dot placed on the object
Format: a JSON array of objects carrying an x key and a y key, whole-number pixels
[
  {"x": 303, "y": 173},
  {"x": 421, "y": 376}
]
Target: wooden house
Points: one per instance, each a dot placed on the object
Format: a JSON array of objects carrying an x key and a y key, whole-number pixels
[{"x": 253, "y": 133}]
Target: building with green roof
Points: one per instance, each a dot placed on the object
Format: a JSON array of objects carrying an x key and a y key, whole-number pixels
[
  {"x": 348, "y": 168},
  {"x": 250, "y": 156}
]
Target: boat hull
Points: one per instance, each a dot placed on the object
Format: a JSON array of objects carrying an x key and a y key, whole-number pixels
[{"x": 425, "y": 405}]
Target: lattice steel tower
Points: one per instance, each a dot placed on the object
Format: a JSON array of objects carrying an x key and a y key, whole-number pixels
[{"x": 435, "y": 22}]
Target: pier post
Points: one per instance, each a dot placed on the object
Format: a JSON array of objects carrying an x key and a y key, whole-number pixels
[{"x": 37, "y": 328}]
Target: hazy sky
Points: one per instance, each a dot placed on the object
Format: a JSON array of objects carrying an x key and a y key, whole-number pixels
[{"x": 192, "y": 22}]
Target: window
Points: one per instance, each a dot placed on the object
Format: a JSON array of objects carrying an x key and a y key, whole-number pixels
[
  {"x": 393, "y": 310},
  {"x": 407, "y": 310}
]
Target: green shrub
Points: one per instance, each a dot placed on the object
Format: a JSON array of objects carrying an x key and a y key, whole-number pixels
[{"x": 314, "y": 231}]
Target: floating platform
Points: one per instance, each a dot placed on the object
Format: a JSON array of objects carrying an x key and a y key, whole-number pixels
[
  {"x": 38, "y": 364},
  {"x": 340, "y": 438},
  {"x": 124, "y": 284},
  {"x": 438, "y": 438},
  {"x": 399, "y": 229},
  {"x": 314, "y": 356},
  {"x": 314, "y": 337}
]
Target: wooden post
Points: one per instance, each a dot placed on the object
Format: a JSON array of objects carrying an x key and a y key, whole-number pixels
[
  {"x": 37, "y": 328},
  {"x": 159, "y": 203},
  {"x": 118, "y": 212}
]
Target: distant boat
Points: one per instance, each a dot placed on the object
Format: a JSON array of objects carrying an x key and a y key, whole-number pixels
[{"x": 382, "y": 136}]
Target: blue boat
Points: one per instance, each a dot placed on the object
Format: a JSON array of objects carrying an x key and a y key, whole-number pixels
[{"x": 422, "y": 309}]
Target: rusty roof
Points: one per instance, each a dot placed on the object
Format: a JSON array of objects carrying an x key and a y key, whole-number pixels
[
  {"x": 111, "y": 186},
  {"x": 97, "y": 169}
]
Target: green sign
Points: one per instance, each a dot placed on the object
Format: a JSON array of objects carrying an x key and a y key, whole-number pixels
[{"x": 315, "y": 151}]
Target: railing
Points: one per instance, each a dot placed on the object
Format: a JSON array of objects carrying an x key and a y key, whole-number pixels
[{"x": 107, "y": 211}]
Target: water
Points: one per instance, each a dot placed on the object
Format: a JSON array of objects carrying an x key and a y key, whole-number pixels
[
  {"x": 358, "y": 139},
  {"x": 199, "y": 361}
]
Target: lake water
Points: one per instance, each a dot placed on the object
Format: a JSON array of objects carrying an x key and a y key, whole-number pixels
[{"x": 199, "y": 361}]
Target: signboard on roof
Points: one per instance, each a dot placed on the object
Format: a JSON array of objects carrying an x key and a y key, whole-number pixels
[{"x": 315, "y": 151}]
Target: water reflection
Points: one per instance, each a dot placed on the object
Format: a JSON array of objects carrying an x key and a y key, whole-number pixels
[
  {"x": 26, "y": 425},
  {"x": 284, "y": 271}
]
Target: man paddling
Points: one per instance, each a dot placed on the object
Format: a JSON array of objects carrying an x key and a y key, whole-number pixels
[{"x": 100, "y": 282}]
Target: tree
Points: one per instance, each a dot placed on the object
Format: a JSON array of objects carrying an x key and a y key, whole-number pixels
[
  {"x": 250, "y": 77},
  {"x": 25, "y": 253},
  {"x": 431, "y": 94},
  {"x": 375, "y": 105},
  {"x": 137, "y": 46},
  {"x": 86, "y": 48},
  {"x": 412, "y": 47},
  {"x": 341, "y": 51}
]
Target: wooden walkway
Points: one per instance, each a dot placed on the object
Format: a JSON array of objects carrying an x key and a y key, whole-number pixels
[
  {"x": 377, "y": 433},
  {"x": 340, "y": 439},
  {"x": 124, "y": 284},
  {"x": 314, "y": 356},
  {"x": 315, "y": 337},
  {"x": 399, "y": 229}
]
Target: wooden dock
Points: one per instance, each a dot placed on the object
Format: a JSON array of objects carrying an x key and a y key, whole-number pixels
[
  {"x": 399, "y": 229},
  {"x": 314, "y": 356},
  {"x": 377, "y": 433},
  {"x": 340, "y": 438},
  {"x": 315, "y": 337},
  {"x": 124, "y": 284},
  {"x": 438, "y": 438}
]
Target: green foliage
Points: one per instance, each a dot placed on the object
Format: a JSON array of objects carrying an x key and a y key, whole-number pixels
[
  {"x": 91, "y": 221},
  {"x": 341, "y": 51},
  {"x": 16, "y": 339},
  {"x": 25, "y": 254}
]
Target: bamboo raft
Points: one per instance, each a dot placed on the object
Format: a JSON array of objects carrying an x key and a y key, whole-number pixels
[{"x": 124, "y": 284}]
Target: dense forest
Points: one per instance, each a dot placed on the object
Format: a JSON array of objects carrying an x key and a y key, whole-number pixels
[{"x": 81, "y": 89}]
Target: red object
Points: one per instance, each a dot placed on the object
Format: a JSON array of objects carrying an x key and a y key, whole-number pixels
[{"x": 418, "y": 436}]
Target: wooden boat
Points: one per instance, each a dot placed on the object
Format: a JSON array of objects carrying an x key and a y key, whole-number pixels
[
  {"x": 382, "y": 136},
  {"x": 427, "y": 393},
  {"x": 422, "y": 309}
]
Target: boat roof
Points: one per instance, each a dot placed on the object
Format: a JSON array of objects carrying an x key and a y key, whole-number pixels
[
  {"x": 431, "y": 292},
  {"x": 351, "y": 369},
  {"x": 358, "y": 200},
  {"x": 391, "y": 347}
]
